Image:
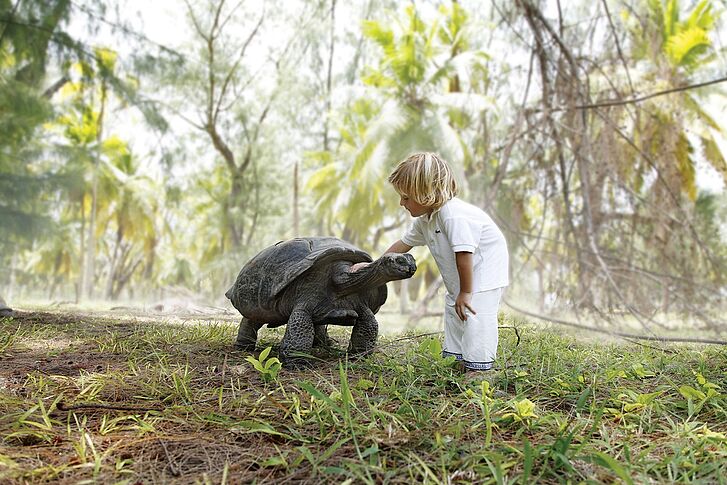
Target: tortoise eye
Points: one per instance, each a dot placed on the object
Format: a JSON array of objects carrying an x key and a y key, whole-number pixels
[{"x": 401, "y": 259}]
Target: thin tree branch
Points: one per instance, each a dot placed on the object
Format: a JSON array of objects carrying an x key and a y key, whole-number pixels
[
  {"x": 621, "y": 102},
  {"x": 618, "y": 46},
  {"x": 612, "y": 332},
  {"x": 233, "y": 69}
]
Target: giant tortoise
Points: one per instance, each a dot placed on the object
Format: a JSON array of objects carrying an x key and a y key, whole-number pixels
[{"x": 307, "y": 284}]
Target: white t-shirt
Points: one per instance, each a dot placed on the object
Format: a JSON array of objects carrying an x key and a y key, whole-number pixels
[{"x": 461, "y": 227}]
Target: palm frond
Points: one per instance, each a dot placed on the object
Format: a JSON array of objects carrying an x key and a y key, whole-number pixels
[
  {"x": 448, "y": 139},
  {"x": 685, "y": 47},
  {"x": 701, "y": 16},
  {"x": 460, "y": 65},
  {"x": 685, "y": 162},
  {"x": 671, "y": 17},
  {"x": 376, "y": 32},
  {"x": 715, "y": 155},
  {"x": 695, "y": 107}
]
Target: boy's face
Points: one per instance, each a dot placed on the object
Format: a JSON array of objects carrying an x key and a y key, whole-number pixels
[{"x": 414, "y": 208}]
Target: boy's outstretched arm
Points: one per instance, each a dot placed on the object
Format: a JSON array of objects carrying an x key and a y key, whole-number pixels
[
  {"x": 397, "y": 247},
  {"x": 464, "y": 299}
]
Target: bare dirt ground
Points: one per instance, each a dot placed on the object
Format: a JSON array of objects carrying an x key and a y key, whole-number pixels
[
  {"x": 65, "y": 353},
  {"x": 158, "y": 398}
]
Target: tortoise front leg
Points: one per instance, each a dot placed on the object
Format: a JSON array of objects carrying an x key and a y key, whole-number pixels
[
  {"x": 247, "y": 335},
  {"x": 364, "y": 333},
  {"x": 298, "y": 338}
]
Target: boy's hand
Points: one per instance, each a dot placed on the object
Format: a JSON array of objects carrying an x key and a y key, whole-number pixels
[
  {"x": 463, "y": 302},
  {"x": 358, "y": 266}
]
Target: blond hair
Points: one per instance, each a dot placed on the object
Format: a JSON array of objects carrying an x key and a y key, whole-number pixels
[{"x": 425, "y": 178}]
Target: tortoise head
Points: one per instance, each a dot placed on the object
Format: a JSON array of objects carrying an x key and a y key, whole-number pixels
[{"x": 397, "y": 266}]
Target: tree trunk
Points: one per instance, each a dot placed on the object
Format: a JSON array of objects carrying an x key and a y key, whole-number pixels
[
  {"x": 113, "y": 267},
  {"x": 90, "y": 266},
  {"x": 541, "y": 289},
  {"x": 329, "y": 76},
  {"x": 296, "y": 215},
  {"x": 90, "y": 256},
  {"x": 124, "y": 279},
  {"x": 80, "y": 285}
]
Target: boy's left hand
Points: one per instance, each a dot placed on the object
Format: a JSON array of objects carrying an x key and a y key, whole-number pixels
[
  {"x": 357, "y": 266},
  {"x": 464, "y": 302}
]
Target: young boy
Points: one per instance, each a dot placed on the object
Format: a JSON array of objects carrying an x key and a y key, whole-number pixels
[{"x": 470, "y": 252}]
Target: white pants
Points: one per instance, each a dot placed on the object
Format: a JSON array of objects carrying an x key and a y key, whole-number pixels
[{"x": 474, "y": 341}]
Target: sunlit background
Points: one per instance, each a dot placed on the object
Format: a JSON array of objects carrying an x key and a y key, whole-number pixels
[{"x": 149, "y": 149}]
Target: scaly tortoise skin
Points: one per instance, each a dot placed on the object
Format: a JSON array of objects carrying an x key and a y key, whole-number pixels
[{"x": 307, "y": 284}]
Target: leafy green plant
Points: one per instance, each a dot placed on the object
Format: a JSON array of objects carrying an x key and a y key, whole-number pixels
[
  {"x": 704, "y": 392},
  {"x": 523, "y": 412},
  {"x": 431, "y": 350},
  {"x": 640, "y": 372},
  {"x": 268, "y": 367}
]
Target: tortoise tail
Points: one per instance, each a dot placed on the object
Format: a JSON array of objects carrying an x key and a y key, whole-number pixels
[{"x": 230, "y": 292}]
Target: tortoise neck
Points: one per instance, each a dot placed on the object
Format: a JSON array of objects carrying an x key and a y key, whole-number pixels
[{"x": 347, "y": 282}]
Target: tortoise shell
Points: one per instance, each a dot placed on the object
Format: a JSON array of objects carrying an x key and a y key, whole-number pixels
[{"x": 266, "y": 275}]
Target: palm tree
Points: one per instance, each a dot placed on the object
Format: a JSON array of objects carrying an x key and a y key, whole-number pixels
[
  {"x": 83, "y": 127},
  {"x": 29, "y": 33},
  {"x": 616, "y": 180},
  {"x": 128, "y": 214},
  {"x": 674, "y": 50},
  {"x": 673, "y": 132},
  {"x": 412, "y": 99}
]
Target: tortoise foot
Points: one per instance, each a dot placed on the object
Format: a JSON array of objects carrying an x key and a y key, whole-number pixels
[
  {"x": 297, "y": 363},
  {"x": 355, "y": 354},
  {"x": 245, "y": 346},
  {"x": 247, "y": 335}
]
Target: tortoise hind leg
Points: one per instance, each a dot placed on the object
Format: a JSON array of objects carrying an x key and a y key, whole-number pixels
[{"x": 247, "y": 335}]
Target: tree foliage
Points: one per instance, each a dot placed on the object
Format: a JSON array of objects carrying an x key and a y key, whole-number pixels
[
  {"x": 29, "y": 35},
  {"x": 550, "y": 114}
]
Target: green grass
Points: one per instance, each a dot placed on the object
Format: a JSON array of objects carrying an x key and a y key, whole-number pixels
[{"x": 105, "y": 400}]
